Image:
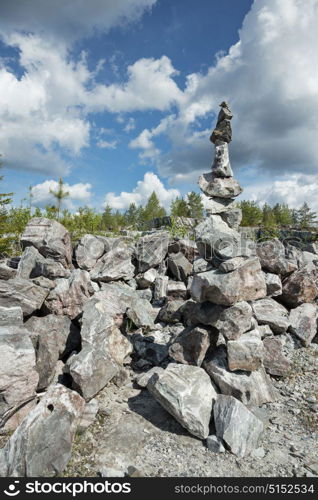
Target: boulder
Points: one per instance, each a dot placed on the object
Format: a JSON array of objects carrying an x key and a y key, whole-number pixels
[
  {"x": 88, "y": 416},
  {"x": 179, "y": 266},
  {"x": 69, "y": 295},
  {"x": 200, "y": 266},
  {"x": 53, "y": 338},
  {"x": 215, "y": 206},
  {"x": 219, "y": 187},
  {"x": 115, "y": 265},
  {"x": 233, "y": 321},
  {"x": 6, "y": 272},
  {"x": 89, "y": 249},
  {"x": 215, "y": 238},
  {"x": 176, "y": 289},
  {"x": 273, "y": 285},
  {"x": 191, "y": 345},
  {"x": 50, "y": 238},
  {"x": 18, "y": 292},
  {"x": 143, "y": 378},
  {"x": 32, "y": 265},
  {"x": 41, "y": 445},
  {"x": 141, "y": 313},
  {"x": 272, "y": 257},
  {"x": 247, "y": 282},
  {"x": 11, "y": 316},
  {"x": 303, "y": 322},
  {"x": 232, "y": 217},
  {"x": 221, "y": 165},
  {"x": 237, "y": 426},
  {"x": 171, "y": 312},
  {"x": 186, "y": 246},
  {"x": 245, "y": 353},
  {"x": 269, "y": 312},
  {"x": 186, "y": 392},
  {"x": 147, "y": 279},
  {"x": 275, "y": 361},
  {"x": 145, "y": 294},
  {"x": 300, "y": 287},
  {"x": 151, "y": 250},
  {"x": 230, "y": 265},
  {"x": 160, "y": 287},
  {"x": 252, "y": 388},
  {"x": 214, "y": 444},
  {"x": 18, "y": 375}
]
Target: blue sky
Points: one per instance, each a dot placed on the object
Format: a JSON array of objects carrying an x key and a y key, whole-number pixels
[{"x": 119, "y": 98}]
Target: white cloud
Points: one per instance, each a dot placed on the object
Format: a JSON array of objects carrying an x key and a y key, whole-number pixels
[
  {"x": 140, "y": 194},
  {"x": 131, "y": 124},
  {"x": 107, "y": 144},
  {"x": 79, "y": 192}
]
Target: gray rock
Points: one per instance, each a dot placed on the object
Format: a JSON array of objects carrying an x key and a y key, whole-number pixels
[
  {"x": 253, "y": 388},
  {"x": 6, "y": 272},
  {"x": 244, "y": 283},
  {"x": 41, "y": 445},
  {"x": 147, "y": 279},
  {"x": 273, "y": 285},
  {"x": 221, "y": 165},
  {"x": 179, "y": 266},
  {"x": 226, "y": 187},
  {"x": 275, "y": 361},
  {"x": 143, "y": 378},
  {"x": 160, "y": 287},
  {"x": 18, "y": 375},
  {"x": 44, "y": 282},
  {"x": 114, "y": 265},
  {"x": 176, "y": 289},
  {"x": 53, "y": 337},
  {"x": 219, "y": 205},
  {"x": 50, "y": 238},
  {"x": 186, "y": 392},
  {"x": 264, "y": 330},
  {"x": 19, "y": 292},
  {"x": 272, "y": 257},
  {"x": 214, "y": 444},
  {"x": 151, "y": 250},
  {"x": 234, "y": 321},
  {"x": 70, "y": 295},
  {"x": 185, "y": 246},
  {"x": 269, "y": 312},
  {"x": 232, "y": 217},
  {"x": 303, "y": 322},
  {"x": 215, "y": 238},
  {"x": 11, "y": 316},
  {"x": 246, "y": 353},
  {"x": 300, "y": 287},
  {"x": 191, "y": 346},
  {"x": 89, "y": 249},
  {"x": 33, "y": 265},
  {"x": 230, "y": 265},
  {"x": 171, "y": 312},
  {"x": 88, "y": 416},
  {"x": 141, "y": 313},
  {"x": 146, "y": 294},
  {"x": 200, "y": 266},
  {"x": 236, "y": 425}
]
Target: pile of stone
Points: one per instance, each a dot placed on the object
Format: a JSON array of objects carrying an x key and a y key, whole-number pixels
[{"x": 202, "y": 325}]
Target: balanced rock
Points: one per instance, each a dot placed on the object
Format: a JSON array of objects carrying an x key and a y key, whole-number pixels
[
  {"x": 244, "y": 283},
  {"x": 217, "y": 206},
  {"x": 252, "y": 388},
  {"x": 50, "y": 238},
  {"x": 151, "y": 250},
  {"x": 221, "y": 166},
  {"x": 223, "y": 130},
  {"x": 41, "y": 446},
  {"x": 215, "y": 238},
  {"x": 237, "y": 426},
  {"x": 303, "y": 322},
  {"x": 245, "y": 353},
  {"x": 219, "y": 187},
  {"x": 191, "y": 346},
  {"x": 233, "y": 217},
  {"x": 269, "y": 312},
  {"x": 186, "y": 392},
  {"x": 18, "y": 292}
]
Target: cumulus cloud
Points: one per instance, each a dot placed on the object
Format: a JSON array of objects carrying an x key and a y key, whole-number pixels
[
  {"x": 79, "y": 192},
  {"x": 140, "y": 194},
  {"x": 107, "y": 144},
  {"x": 62, "y": 21}
]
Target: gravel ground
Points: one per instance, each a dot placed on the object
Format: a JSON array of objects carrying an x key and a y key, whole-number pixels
[{"x": 132, "y": 430}]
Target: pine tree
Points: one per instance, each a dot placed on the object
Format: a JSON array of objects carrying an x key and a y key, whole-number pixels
[
  {"x": 251, "y": 213},
  {"x": 60, "y": 195},
  {"x": 283, "y": 214},
  {"x": 306, "y": 218},
  {"x": 179, "y": 208},
  {"x": 269, "y": 222},
  {"x": 153, "y": 209},
  {"x": 107, "y": 218},
  {"x": 195, "y": 205},
  {"x": 131, "y": 216},
  {"x": 5, "y": 241}
]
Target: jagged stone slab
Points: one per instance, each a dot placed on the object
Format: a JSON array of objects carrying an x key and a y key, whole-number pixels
[
  {"x": 303, "y": 322},
  {"x": 236, "y": 425},
  {"x": 32, "y": 265},
  {"x": 50, "y": 238},
  {"x": 217, "y": 187},
  {"x": 245, "y": 353},
  {"x": 160, "y": 287},
  {"x": 269, "y": 312},
  {"x": 18, "y": 292},
  {"x": 141, "y": 313},
  {"x": 234, "y": 321},
  {"x": 185, "y": 246},
  {"x": 41, "y": 445},
  {"x": 252, "y": 388},
  {"x": 215, "y": 238},
  {"x": 246, "y": 283},
  {"x": 186, "y": 392},
  {"x": 151, "y": 250},
  {"x": 116, "y": 264},
  {"x": 275, "y": 361},
  {"x": 190, "y": 346},
  {"x": 179, "y": 266}
]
